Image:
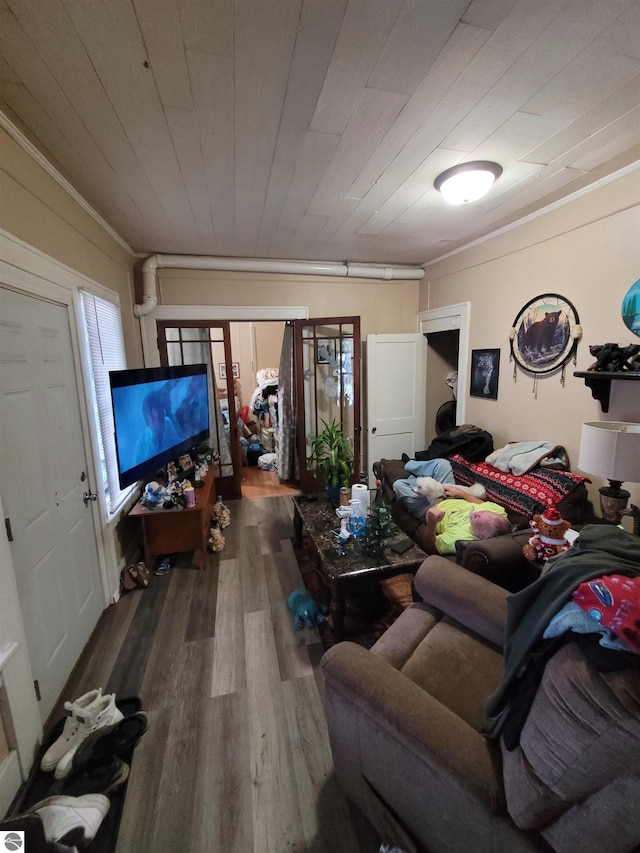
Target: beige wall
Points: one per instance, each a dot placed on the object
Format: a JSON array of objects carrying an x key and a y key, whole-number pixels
[
  {"x": 35, "y": 208},
  {"x": 383, "y": 306},
  {"x": 587, "y": 251},
  {"x": 39, "y": 211}
]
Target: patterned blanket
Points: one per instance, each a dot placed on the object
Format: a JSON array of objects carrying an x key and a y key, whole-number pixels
[{"x": 525, "y": 494}]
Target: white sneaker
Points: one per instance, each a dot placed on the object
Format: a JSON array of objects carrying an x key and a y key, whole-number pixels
[
  {"x": 102, "y": 713},
  {"x": 72, "y": 820},
  {"x": 70, "y": 731}
]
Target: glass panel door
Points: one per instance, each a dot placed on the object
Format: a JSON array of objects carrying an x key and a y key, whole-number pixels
[
  {"x": 327, "y": 358},
  {"x": 197, "y": 342}
]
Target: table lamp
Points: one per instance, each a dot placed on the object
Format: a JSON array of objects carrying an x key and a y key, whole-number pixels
[{"x": 611, "y": 449}]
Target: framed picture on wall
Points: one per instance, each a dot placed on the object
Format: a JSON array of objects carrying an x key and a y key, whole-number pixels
[
  {"x": 485, "y": 368},
  {"x": 235, "y": 367},
  {"x": 185, "y": 462},
  {"x": 326, "y": 351},
  {"x": 545, "y": 334}
]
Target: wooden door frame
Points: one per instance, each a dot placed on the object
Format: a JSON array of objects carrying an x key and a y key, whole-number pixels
[
  {"x": 196, "y": 315},
  {"x": 233, "y": 313}
]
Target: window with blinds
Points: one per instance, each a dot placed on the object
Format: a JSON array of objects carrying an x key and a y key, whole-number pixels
[{"x": 104, "y": 352}]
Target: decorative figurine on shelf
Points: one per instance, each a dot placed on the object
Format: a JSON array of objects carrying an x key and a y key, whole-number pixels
[
  {"x": 548, "y": 536},
  {"x": 206, "y": 454},
  {"x": 306, "y": 612},
  {"x": 612, "y": 358}
]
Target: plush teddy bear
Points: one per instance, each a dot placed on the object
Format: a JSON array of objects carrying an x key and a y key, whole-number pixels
[
  {"x": 306, "y": 612},
  {"x": 548, "y": 536}
]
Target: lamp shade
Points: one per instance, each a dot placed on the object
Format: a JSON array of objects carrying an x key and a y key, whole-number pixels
[
  {"x": 467, "y": 181},
  {"x": 611, "y": 449}
]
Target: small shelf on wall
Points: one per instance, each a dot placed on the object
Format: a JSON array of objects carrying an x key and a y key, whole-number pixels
[{"x": 600, "y": 383}]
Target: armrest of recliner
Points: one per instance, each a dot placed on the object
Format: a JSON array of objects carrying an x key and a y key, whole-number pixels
[
  {"x": 368, "y": 700},
  {"x": 500, "y": 560},
  {"x": 471, "y": 600},
  {"x": 606, "y": 822}
]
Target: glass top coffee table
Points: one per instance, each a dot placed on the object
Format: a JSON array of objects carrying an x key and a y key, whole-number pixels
[{"x": 316, "y": 516}]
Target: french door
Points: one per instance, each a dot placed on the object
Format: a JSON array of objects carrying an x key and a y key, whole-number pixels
[
  {"x": 209, "y": 342},
  {"x": 327, "y": 371},
  {"x": 327, "y": 386}
]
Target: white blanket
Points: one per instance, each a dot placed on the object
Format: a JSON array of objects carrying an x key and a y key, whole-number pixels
[{"x": 521, "y": 456}]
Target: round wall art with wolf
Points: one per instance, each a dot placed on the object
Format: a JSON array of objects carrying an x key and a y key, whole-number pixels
[{"x": 543, "y": 337}]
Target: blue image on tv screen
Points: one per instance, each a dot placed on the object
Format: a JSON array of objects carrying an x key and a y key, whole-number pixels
[{"x": 152, "y": 418}]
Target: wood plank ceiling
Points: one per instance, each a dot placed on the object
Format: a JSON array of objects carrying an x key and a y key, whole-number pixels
[{"x": 314, "y": 129}]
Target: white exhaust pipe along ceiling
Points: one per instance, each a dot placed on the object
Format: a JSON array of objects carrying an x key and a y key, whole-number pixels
[{"x": 197, "y": 262}]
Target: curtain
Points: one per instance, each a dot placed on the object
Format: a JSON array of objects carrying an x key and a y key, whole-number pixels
[
  {"x": 104, "y": 341},
  {"x": 287, "y": 463}
]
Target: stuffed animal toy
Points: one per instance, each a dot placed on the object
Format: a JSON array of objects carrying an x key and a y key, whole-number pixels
[
  {"x": 155, "y": 494},
  {"x": 548, "y": 536},
  {"x": 306, "y": 612},
  {"x": 431, "y": 489}
]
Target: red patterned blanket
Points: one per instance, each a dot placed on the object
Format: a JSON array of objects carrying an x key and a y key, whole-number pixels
[{"x": 528, "y": 493}]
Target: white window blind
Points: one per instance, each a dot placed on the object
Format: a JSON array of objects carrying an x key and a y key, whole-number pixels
[{"x": 105, "y": 344}]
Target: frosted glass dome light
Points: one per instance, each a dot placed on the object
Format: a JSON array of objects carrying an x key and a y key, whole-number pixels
[{"x": 467, "y": 181}]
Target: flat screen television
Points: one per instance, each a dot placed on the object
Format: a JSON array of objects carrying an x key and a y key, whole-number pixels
[{"x": 159, "y": 414}]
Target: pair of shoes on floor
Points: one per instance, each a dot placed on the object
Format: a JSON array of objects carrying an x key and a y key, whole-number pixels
[
  {"x": 85, "y": 715},
  {"x": 99, "y": 765},
  {"x": 70, "y": 822}
]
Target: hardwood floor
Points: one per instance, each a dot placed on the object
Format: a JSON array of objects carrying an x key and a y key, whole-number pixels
[
  {"x": 257, "y": 483},
  {"x": 236, "y": 758}
]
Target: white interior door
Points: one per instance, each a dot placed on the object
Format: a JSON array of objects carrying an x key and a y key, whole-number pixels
[
  {"x": 53, "y": 548},
  {"x": 396, "y": 377}
]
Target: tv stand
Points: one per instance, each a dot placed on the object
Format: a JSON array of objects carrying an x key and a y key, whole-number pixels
[{"x": 168, "y": 531}]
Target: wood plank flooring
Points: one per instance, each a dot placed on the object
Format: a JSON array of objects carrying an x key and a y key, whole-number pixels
[
  {"x": 236, "y": 758},
  {"x": 257, "y": 483}
]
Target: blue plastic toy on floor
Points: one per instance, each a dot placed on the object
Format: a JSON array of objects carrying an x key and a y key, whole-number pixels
[{"x": 307, "y": 613}]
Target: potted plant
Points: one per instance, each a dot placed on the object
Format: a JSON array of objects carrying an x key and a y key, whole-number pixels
[{"x": 331, "y": 459}]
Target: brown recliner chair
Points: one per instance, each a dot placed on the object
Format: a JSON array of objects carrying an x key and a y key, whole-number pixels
[{"x": 405, "y": 718}]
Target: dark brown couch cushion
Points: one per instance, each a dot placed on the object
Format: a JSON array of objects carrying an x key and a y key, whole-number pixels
[{"x": 582, "y": 732}]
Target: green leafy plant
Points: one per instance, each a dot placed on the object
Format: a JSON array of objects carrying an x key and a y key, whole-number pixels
[{"x": 331, "y": 458}]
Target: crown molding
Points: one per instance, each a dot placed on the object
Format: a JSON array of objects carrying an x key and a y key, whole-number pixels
[{"x": 36, "y": 155}]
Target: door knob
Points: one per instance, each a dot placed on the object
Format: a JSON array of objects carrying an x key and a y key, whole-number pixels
[
  {"x": 89, "y": 496},
  {"x": 374, "y": 429}
]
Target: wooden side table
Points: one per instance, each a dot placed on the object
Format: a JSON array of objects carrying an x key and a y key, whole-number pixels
[{"x": 168, "y": 531}]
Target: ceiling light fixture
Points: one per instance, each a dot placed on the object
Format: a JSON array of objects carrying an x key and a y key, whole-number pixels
[{"x": 467, "y": 181}]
